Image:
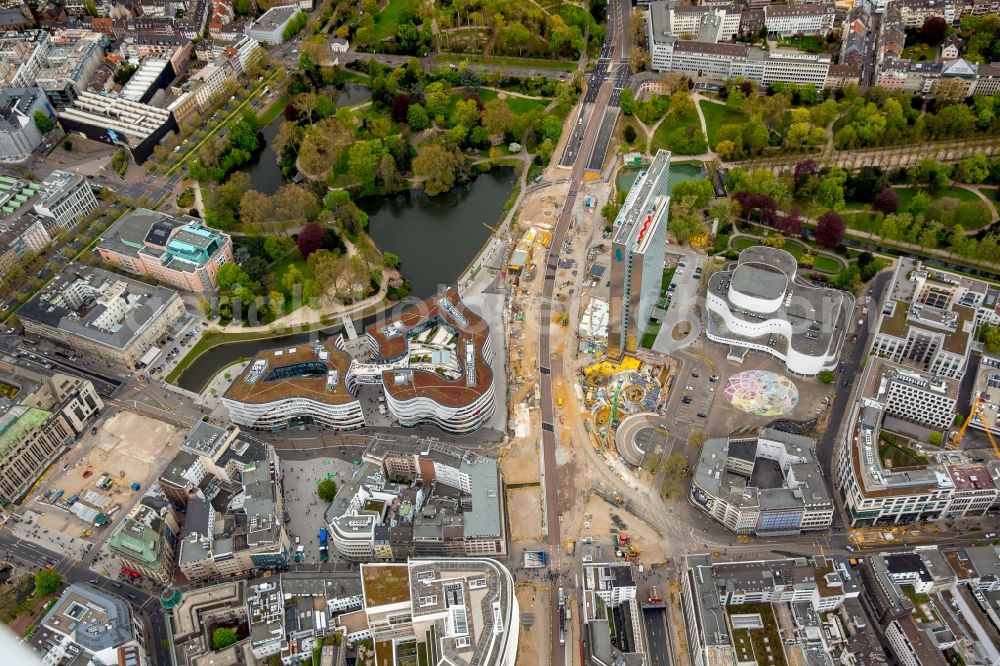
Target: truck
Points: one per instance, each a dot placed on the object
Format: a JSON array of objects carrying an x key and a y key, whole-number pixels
[{"x": 324, "y": 552}]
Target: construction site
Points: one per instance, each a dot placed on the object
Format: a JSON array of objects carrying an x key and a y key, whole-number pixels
[{"x": 94, "y": 484}]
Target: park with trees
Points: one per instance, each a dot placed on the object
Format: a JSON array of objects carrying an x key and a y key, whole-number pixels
[
  {"x": 306, "y": 244},
  {"x": 555, "y": 29}
]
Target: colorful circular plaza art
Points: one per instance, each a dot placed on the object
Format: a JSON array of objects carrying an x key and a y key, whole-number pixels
[{"x": 761, "y": 393}]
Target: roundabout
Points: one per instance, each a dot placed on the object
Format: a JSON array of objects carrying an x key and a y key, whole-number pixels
[{"x": 637, "y": 434}]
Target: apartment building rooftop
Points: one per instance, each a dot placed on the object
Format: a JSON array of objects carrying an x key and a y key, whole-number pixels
[
  {"x": 454, "y": 495},
  {"x": 177, "y": 242},
  {"x": 799, "y": 10},
  {"x": 18, "y": 47},
  {"x": 709, "y": 48},
  {"x": 19, "y": 196},
  {"x": 987, "y": 388},
  {"x": 16, "y": 423},
  {"x": 139, "y": 535},
  {"x": 762, "y": 489},
  {"x": 15, "y": 103}
]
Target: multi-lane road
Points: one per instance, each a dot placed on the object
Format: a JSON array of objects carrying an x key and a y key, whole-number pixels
[
  {"x": 29, "y": 554},
  {"x": 589, "y": 129}
]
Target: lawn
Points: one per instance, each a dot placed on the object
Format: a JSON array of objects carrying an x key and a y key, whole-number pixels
[
  {"x": 766, "y": 642},
  {"x": 717, "y": 115},
  {"x": 905, "y": 194},
  {"x": 649, "y": 337},
  {"x": 807, "y": 43},
  {"x": 521, "y": 106},
  {"x": 920, "y": 53},
  {"x": 661, "y": 137},
  {"x": 387, "y": 21},
  {"x": 564, "y": 65},
  {"x": 292, "y": 258},
  {"x": 862, "y": 220},
  {"x": 895, "y": 453}
]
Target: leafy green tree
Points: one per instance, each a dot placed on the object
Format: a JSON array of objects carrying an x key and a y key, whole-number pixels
[
  {"x": 43, "y": 122},
  {"x": 735, "y": 99},
  {"x": 295, "y": 26},
  {"x": 291, "y": 278},
  {"x": 275, "y": 247},
  {"x": 498, "y": 118},
  {"x": 700, "y": 188},
  {"x": 724, "y": 210},
  {"x": 974, "y": 169},
  {"x": 362, "y": 162},
  {"x": 417, "y": 118},
  {"x": 47, "y": 581},
  {"x": 222, "y": 638},
  {"x": 990, "y": 337},
  {"x": 935, "y": 438},
  {"x": 686, "y": 220},
  {"x": 437, "y": 166},
  {"x": 230, "y": 276},
  {"x": 827, "y": 376},
  {"x": 436, "y": 99},
  {"x": 326, "y": 490},
  {"x": 626, "y": 102},
  {"x": 919, "y": 204},
  {"x": 466, "y": 113},
  {"x": 830, "y": 193},
  {"x": 390, "y": 260},
  {"x": 551, "y": 127}
]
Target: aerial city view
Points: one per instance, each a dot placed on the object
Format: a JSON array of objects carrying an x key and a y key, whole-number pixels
[{"x": 500, "y": 332}]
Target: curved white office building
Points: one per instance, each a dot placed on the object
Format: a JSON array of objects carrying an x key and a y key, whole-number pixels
[
  {"x": 433, "y": 363},
  {"x": 291, "y": 386},
  {"x": 761, "y": 303}
]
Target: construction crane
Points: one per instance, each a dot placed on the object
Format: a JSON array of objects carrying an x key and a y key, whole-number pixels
[
  {"x": 613, "y": 415},
  {"x": 975, "y": 411}
]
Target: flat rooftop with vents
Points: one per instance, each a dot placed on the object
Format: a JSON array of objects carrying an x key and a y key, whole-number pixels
[{"x": 109, "y": 311}]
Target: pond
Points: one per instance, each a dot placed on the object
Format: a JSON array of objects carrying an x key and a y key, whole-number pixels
[
  {"x": 265, "y": 173},
  {"x": 678, "y": 172},
  {"x": 436, "y": 237}
]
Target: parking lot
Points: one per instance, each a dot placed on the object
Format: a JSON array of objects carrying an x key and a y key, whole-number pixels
[
  {"x": 304, "y": 508},
  {"x": 699, "y": 390},
  {"x": 175, "y": 346}
]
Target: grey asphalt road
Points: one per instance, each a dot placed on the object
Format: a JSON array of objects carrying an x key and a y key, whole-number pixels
[
  {"x": 855, "y": 352},
  {"x": 597, "y": 155},
  {"x": 657, "y": 648},
  {"x": 29, "y": 554}
]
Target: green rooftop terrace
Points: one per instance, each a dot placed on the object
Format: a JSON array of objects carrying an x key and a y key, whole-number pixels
[{"x": 16, "y": 425}]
